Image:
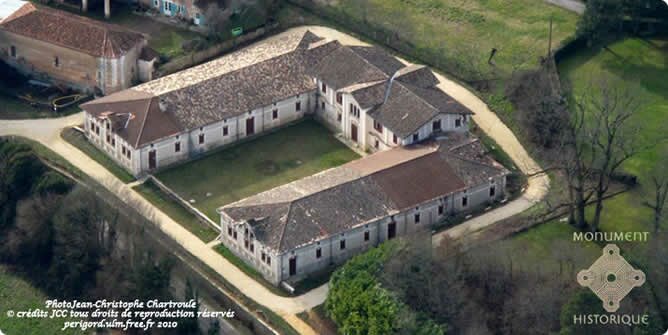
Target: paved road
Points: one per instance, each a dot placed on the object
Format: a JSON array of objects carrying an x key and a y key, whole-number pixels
[
  {"x": 571, "y": 5},
  {"x": 46, "y": 131}
]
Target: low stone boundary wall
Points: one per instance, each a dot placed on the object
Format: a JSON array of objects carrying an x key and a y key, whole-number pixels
[{"x": 200, "y": 216}]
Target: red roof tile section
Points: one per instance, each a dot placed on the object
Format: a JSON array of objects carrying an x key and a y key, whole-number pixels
[{"x": 71, "y": 31}]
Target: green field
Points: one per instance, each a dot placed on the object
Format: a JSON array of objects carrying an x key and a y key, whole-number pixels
[
  {"x": 18, "y": 295},
  {"x": 462, "y": 32},
  {"x": 640, "y": 64},
  {"x": 257, "y": 165}
]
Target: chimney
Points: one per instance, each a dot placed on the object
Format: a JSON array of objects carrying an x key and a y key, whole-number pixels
[{"x": 162, "y": 104}]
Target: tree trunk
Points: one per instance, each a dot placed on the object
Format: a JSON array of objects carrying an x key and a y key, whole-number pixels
[{"x": 597, "y": 213}]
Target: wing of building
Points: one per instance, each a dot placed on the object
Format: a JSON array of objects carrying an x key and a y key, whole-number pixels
[
  {"x": 70, "y": 50},
  {"x": 373, "y": 99},
  {"x": 307, "y": 225}
]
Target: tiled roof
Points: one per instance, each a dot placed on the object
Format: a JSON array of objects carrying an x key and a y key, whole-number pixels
[
  {"x": 136, "y": 110},
  {"x": 344, "y": 67},
  {"x": 373, "y": 187},
  {"x": 283, "y": 66},
  {"x": 239, "y": 91},
  {"x": 98, "y": 39},
  {"x": 228, "y": 86}
]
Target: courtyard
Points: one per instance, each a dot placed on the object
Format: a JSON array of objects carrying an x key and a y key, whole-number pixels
[{"x": 258, "y": 165}]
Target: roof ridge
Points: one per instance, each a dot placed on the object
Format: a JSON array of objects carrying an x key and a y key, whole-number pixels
[
  {"x": 284, "y": 227},
  {"x": 143, "y": 123},
  {"x": 362, "y": 176},
  {"x": 367, "y": 61},
  {"x": 449, "y": 153}
]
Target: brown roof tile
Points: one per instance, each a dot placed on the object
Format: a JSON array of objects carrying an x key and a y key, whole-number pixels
[{"x": 79, "y": 33}]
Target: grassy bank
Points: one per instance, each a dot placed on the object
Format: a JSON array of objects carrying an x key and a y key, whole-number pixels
[
  {"x": 78, "y": 140},
  {"x": 175, "y": 211}
]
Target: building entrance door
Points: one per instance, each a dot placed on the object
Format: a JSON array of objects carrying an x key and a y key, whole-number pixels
[
  {"x": 250, "y": 126},
  {"x": 293, "y": 266},
  {"x": 152, "y": 163},
  {"x": 353, "y": 132},
  {"x": 391, "y": 230}
]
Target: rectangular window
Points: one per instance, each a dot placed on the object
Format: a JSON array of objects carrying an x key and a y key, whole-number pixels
[
  {"x": 229, "y": 231},
  {"x": 354, "y": 111},
  {"x": 113, "y": 142},
  {"x": 268, "y": 260},
  {"x": 458, "y": 123},
  {"x": 465, "y": 201},
  {"x": 123, "y": 150},
  {"x": 323, "y": 88},
  {"x": 440, "y": 209},
  {"x": 263, "y": 256},
  {"x": 234, "y": 235},
  {"x": 339, "y": 98},
  {"x": 416, "y": 137},
  {"x": 12, "y": 51},
  {"x": 177, "y": 147},
  {"x": 201, "y": 138},
  {"x": 129, "y": 154},
  {"x": 225, "y": 131},
  {"x": 338, "y": 117},
  {"x": 108, "y": 138},
  {"x": 252, "y": 247},
  {"x": 394, "y": 139},
  {"x": 436, "y": 125},
  {"x": 274, "y": 114},
  {"x": 298, "y": 106},
  {"x": 318, "y": 253},
  {"x": 377, "y": 126},
  {"x": 56, "y": 61},
  {"x": 417, "y": 218},
  {"x": 492, "y": 191},
  {"x": 366, "y": 235},
  {"x": 342, "y": 244}
]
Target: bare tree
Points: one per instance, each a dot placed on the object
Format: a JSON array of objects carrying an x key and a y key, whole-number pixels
[
  {"x": 658, "y": 182},
  {"x": 611, "y": 133}
]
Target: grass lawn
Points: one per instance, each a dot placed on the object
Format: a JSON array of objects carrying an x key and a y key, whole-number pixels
[
  {"x": 164, "y": 38},
  {"x": 257, "y": 165},
  {"x": 175, "y": 211},
  {"x": 18, "y": 295},
  {"x": 642, "y": 64},
  {"x": 78, "y": 140},
  {"x": 464, "y": 30}
]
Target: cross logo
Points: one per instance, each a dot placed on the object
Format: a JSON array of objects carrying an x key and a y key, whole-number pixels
[{"x": 611, "y": 278}]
